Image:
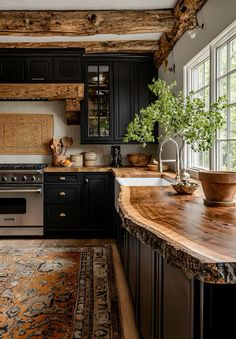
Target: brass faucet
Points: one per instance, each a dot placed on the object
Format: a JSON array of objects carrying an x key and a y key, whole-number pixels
[{"x": 176, "y": 160}]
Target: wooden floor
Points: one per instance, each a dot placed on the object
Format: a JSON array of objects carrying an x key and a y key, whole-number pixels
[{"x": 127, "y": 314}]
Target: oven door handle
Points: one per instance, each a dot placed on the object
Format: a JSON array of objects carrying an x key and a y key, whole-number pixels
[{"x": 38, "y": 190}]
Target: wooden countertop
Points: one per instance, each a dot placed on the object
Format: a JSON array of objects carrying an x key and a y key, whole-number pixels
[
  {"x": 118, "y": 172},
  {"x": 198, "y": 239}
]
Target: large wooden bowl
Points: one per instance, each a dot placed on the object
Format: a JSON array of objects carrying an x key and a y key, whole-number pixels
[
  {"x": 219, "y": 187},
  {"x": 139, "y": 159}
]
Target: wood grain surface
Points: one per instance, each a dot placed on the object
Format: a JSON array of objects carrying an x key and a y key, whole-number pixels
[
  {"x": 25, "y": 133},
  {"x": 191, "y": 236}
]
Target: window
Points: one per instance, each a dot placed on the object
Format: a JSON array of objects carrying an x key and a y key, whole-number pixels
[{"x": 212, "y": 73}]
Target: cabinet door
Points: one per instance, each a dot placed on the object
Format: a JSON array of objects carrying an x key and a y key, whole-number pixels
[
  {"x": 11, "y": 69},
  {"x": 67, "y": 69},
  {"x": 142, "y": 78},
  {"x": 177, "y": 304},
  {"x": 146, "y": 300},
  {"x": 39, "y": 69},
  {"x": 124, "y": 103},
  {"x": 97, "y": 118},
  {"x": 99, "y": 202}
]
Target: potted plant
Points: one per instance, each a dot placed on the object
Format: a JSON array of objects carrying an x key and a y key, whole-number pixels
[{"x": 180, "y": 116}]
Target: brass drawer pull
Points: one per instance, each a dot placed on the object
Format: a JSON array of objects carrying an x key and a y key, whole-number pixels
[
  {"x": 62, "y": 215},
  {"x": 62, "y": 193},
  {"x": 62, "y": 178}
]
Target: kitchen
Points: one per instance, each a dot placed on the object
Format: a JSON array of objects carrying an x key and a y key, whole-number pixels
[{"x": 121, "y": 71}]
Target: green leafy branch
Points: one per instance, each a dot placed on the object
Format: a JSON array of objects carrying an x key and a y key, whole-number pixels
[{"x": 186, "y": 117}]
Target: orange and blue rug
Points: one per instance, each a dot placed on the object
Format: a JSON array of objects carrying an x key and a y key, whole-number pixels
[{"x": 58, "y": 292}]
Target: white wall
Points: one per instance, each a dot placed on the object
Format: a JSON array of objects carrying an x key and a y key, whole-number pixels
[
  {"x": 57, "y": 108},
  {"x": 216, "y": 16}
]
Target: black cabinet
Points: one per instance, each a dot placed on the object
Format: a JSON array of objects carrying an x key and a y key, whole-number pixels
[
  {"x": 98, "y": 200},
  {"x": 67, "y": 69},
  {"x": 79, "y": 204},
  {"x": 131, "y": 92},
  {"x": 62, "y": 203},
  {"x": 110, "y": 104},
  {"x": 11, "y": 69},
  {"x": 41, "y": 65},
  {"x": 38, "y": 69}
]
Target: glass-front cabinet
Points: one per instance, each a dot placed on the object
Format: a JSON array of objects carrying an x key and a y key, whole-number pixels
[{"x": 98, "y": 106}]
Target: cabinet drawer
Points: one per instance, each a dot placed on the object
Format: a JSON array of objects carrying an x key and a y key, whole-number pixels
[
  {"x": 62, "y": 178},
  {"x": 61, "y": 194},
  {"x": 62, "y": 215}
]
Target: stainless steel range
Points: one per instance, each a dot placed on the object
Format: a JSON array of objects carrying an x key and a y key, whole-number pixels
[{"x": 21, "y": 199}]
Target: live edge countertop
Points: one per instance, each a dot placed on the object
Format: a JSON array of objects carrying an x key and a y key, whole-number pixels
[{"x": 197, "y": 239}]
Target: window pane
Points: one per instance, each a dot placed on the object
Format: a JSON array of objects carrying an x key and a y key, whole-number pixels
[
  {"x": 232, "y": 49},
  {"x": 232, "y": 114},
  {"x": 222, "y": 60},
  {"x": 233, "y": 88},
  {"x": 222, "y": 86},
  {"x": 222, "y": 155},
  {"x": 232, "y": 158},
  {"x": 207, "y": 72},
  {"x": 222, "y": 133},
  {"x": 200, "y": 159}
]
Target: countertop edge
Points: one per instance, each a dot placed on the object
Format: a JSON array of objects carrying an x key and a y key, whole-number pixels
[{"x": 177, "y": 256}]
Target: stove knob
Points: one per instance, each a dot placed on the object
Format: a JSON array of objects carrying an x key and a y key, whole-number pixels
[
  {"x": 13, "y": 179},
  {"x": 24, "y": 178},
  {"x": 3, "y": 179},
  {"x": 33, "y": 178}
]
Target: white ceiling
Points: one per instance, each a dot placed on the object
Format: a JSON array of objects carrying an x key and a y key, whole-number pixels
[{"x": 83, "y": 5}]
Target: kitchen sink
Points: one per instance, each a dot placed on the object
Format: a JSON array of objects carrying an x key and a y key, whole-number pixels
[
  {"x": 137, "y": 182},
  {"x": 143, "y": 182}
]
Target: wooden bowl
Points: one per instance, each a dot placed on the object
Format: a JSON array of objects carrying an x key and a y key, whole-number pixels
[
  {"x": 139, "y": 159},
  {"x": 185, "y": 187},
  {"x": 219, "y": 187}
]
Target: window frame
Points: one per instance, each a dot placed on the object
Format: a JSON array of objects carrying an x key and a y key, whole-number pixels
[{"x": 209, "y": 51}]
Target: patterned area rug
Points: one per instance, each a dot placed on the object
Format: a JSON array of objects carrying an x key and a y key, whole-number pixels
[{"x": 58, "y": 292}]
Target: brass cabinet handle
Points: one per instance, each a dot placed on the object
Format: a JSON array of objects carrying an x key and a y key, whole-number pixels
[
  {"x": 62, "y": 215},
  {"x": 62, "y": 178},
  {"x": 62, "y": 193}
]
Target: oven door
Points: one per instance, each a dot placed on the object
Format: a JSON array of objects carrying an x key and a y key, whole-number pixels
[{"x": 21, "y": 206}]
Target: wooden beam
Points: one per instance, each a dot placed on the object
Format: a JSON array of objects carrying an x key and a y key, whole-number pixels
[
  {"x": 84, "y": 23},
  {"x": 119, "y": 46},
  {"x": 185, "y": 13},
  {"x": 42, "y": 91}
]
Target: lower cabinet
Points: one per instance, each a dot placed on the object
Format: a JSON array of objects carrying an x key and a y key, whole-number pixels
[
  {"x": 78, "y": 204},
  {"x": 168, "y": 303}
]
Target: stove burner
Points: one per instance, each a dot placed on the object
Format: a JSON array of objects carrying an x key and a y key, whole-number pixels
[{"x": 26, "y": 167}]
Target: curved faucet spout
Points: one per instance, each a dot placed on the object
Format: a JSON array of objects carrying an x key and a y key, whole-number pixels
[{"x": 176, "y": 160}]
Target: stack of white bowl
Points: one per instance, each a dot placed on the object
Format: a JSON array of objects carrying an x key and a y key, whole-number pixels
[{"x": 77, "y": 160}]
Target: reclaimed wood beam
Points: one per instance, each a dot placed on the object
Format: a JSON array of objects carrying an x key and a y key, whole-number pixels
[
  {"x": 42, "y": 91},
  {"x": 115, "y": 46},
  {"x": 84, "y": 23},
  {"x": 185, "y": 14}
]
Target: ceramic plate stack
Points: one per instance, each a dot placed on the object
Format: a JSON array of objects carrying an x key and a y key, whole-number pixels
[
  {"x": 77, "y": 160},
  {"x": 90, "y": 158}
]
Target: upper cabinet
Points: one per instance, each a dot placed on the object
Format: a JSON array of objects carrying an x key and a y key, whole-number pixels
[
  {"x": 11, "y": 68},
  {"x": 40, "y": 65},
  {"x": 116, "y": 88}
]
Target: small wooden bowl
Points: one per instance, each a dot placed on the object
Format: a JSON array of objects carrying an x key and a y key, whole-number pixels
[
  {"x": 139, "y": 160},
  {"x": 185, "y": 188}
]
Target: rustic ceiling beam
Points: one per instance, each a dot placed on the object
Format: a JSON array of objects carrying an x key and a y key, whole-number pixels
[
  {"x": 116, "y": 46},
  {"x": 185, "y": 13},
  {"x": 84, "y": 23}
]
